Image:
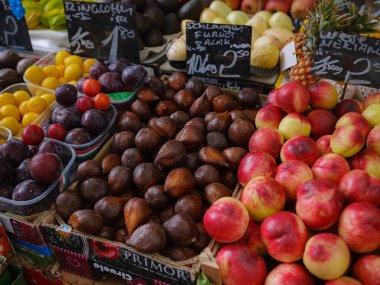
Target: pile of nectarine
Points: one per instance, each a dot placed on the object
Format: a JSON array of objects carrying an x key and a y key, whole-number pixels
[{"x": 311, "y": 191}]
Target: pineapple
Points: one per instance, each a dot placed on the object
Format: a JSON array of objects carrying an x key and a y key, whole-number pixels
[{"x": 325, "y": 17}]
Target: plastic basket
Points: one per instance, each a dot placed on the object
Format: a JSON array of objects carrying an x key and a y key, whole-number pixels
[
  {"x": 32, "y": 89},
  {"x": 45, "y": 200},
  {"x": 5, "y": 135},
  {"x": 88, "y": 150}
]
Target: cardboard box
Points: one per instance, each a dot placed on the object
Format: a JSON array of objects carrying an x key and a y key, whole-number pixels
[
  {"x": 97, "y": 259},
  {"x": 23, "y": 228}
]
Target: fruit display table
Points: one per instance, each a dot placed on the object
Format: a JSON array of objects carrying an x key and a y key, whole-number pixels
[{"x": 127, "y": 171}]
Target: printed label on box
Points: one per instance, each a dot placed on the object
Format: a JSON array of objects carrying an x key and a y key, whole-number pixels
[{"x": 72, "y": 262}]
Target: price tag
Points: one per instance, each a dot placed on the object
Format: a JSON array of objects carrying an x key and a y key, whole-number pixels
[
  {"x": 13, "y": 33},
  {"x": 102, "y": 30},
  {"x": 215, "y": 50},
  {"x": 348, "y": 58},
  {"x": 288, "y": 57}
]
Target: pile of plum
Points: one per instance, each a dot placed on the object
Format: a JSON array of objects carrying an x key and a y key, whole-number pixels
[
  {"x": 80, "y": 124},
  {"x": 25, "y": 171},
  {"x": 116, "y": 76}
]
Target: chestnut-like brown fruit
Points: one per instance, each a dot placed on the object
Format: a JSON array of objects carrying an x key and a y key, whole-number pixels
[
  {"x": 195, "y": 86},
  {"x": 165, "y": 108},
  {"x": 147, "y": 140},
  {"x": 219, "y": 123},
  {"x": 234, "y": 155},
  {"x": 205, "y": 175},
  {"x": 248, "y": 97},
  {"x": 217, "y": 140},
  {"x": 177, "y": 81},
  {"x": 128, "y": 121},
  {"x": 223, "y": 103},
  {"x": 183, "y": 99},
  {"x": 180, "y": 117},
  {"x": 211, "y": 92},
  {"x": 141, "y": 109},
  {"x": 240, "y": 131},
  {"x": 163, "y": 126}
]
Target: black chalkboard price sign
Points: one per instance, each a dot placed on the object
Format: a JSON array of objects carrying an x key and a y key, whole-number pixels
[
  {"x": 102, "y": 30},
  {"x": 13, "y": 33},
  {"x": 348, "y": 58},
  {"x": 215, "y": 50}
]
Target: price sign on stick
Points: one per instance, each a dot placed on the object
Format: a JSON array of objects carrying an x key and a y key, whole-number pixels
[
  {"x": 214, "y": 50},
  {"x": 13, "y": 33},
  {"x": 102, "y": 30},
  {"x": 349, "y": 58}
]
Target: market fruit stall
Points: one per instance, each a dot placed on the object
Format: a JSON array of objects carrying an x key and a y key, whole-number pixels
[{"x": 141, "y": 170}]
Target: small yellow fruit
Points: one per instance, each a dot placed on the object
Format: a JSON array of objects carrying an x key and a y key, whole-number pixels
[
  {"x": 88, "y": 63},
  {"x": 50, "y": 83},
  {"x": 73, "y": 72},
  {"x": 61, "y": 69},
  {"x": 11, "y": 124},
  {"x": 49, "y": 98},
  {"x": 21, "y": 96},
  {"x": 10, "y": 111},
  {"x": 73, "y": 82},
  {"x": 51, "y": 70},
  {"x": 23, "y": 108},
  {"x": 7, "y": 98},
  {"x": 37, "y": 105},
  {"x": 28, "y": 119},
  {"x": 73, "y": 59},
  {"x": 61, "y": 56},
  {"x": 34, "y": 74},
  {"x": 63, "y": 80}
]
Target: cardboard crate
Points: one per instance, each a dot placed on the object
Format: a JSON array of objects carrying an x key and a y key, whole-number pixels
[
  {"x": 94, "y": 258},
  {"x": 24, "y": 228},
  {"x": 85, "y": 255},
  {"x": 26, "y": 239}
]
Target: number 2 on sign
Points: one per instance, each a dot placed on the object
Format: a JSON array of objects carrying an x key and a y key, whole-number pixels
[
  {"x": 9, "y": 20},
  {"x": 349, "y": 74},
  {"x": 222, "y": 67}
]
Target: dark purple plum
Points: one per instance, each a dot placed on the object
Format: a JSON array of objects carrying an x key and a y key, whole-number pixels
[
  {"x": 68, "y": 117},
  {"x": 66, "y": 94},
  {"x": 5, "y": 165},
  {"x": 15, "y": 151},
  {"x": 6, "y": 191},
  {"x": 78, "y": 136},
  {"x": 154, "y": 83},
  {"x": 117, "y": 66},
  {"x": 53, "y": 114},
  {"x": 111, "y": 82},
  {"x": 27, "y": 190},
  {"x": 134, "y": 76},
  {"x": 48, "y": 146},
  {"x": 80, "y": 84},
  {"x": 23, "y": 172},
  {"x": 45, "y": 168},
  {"x": 98, "y": 69},
  {"x": 94, "y": 121}
]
